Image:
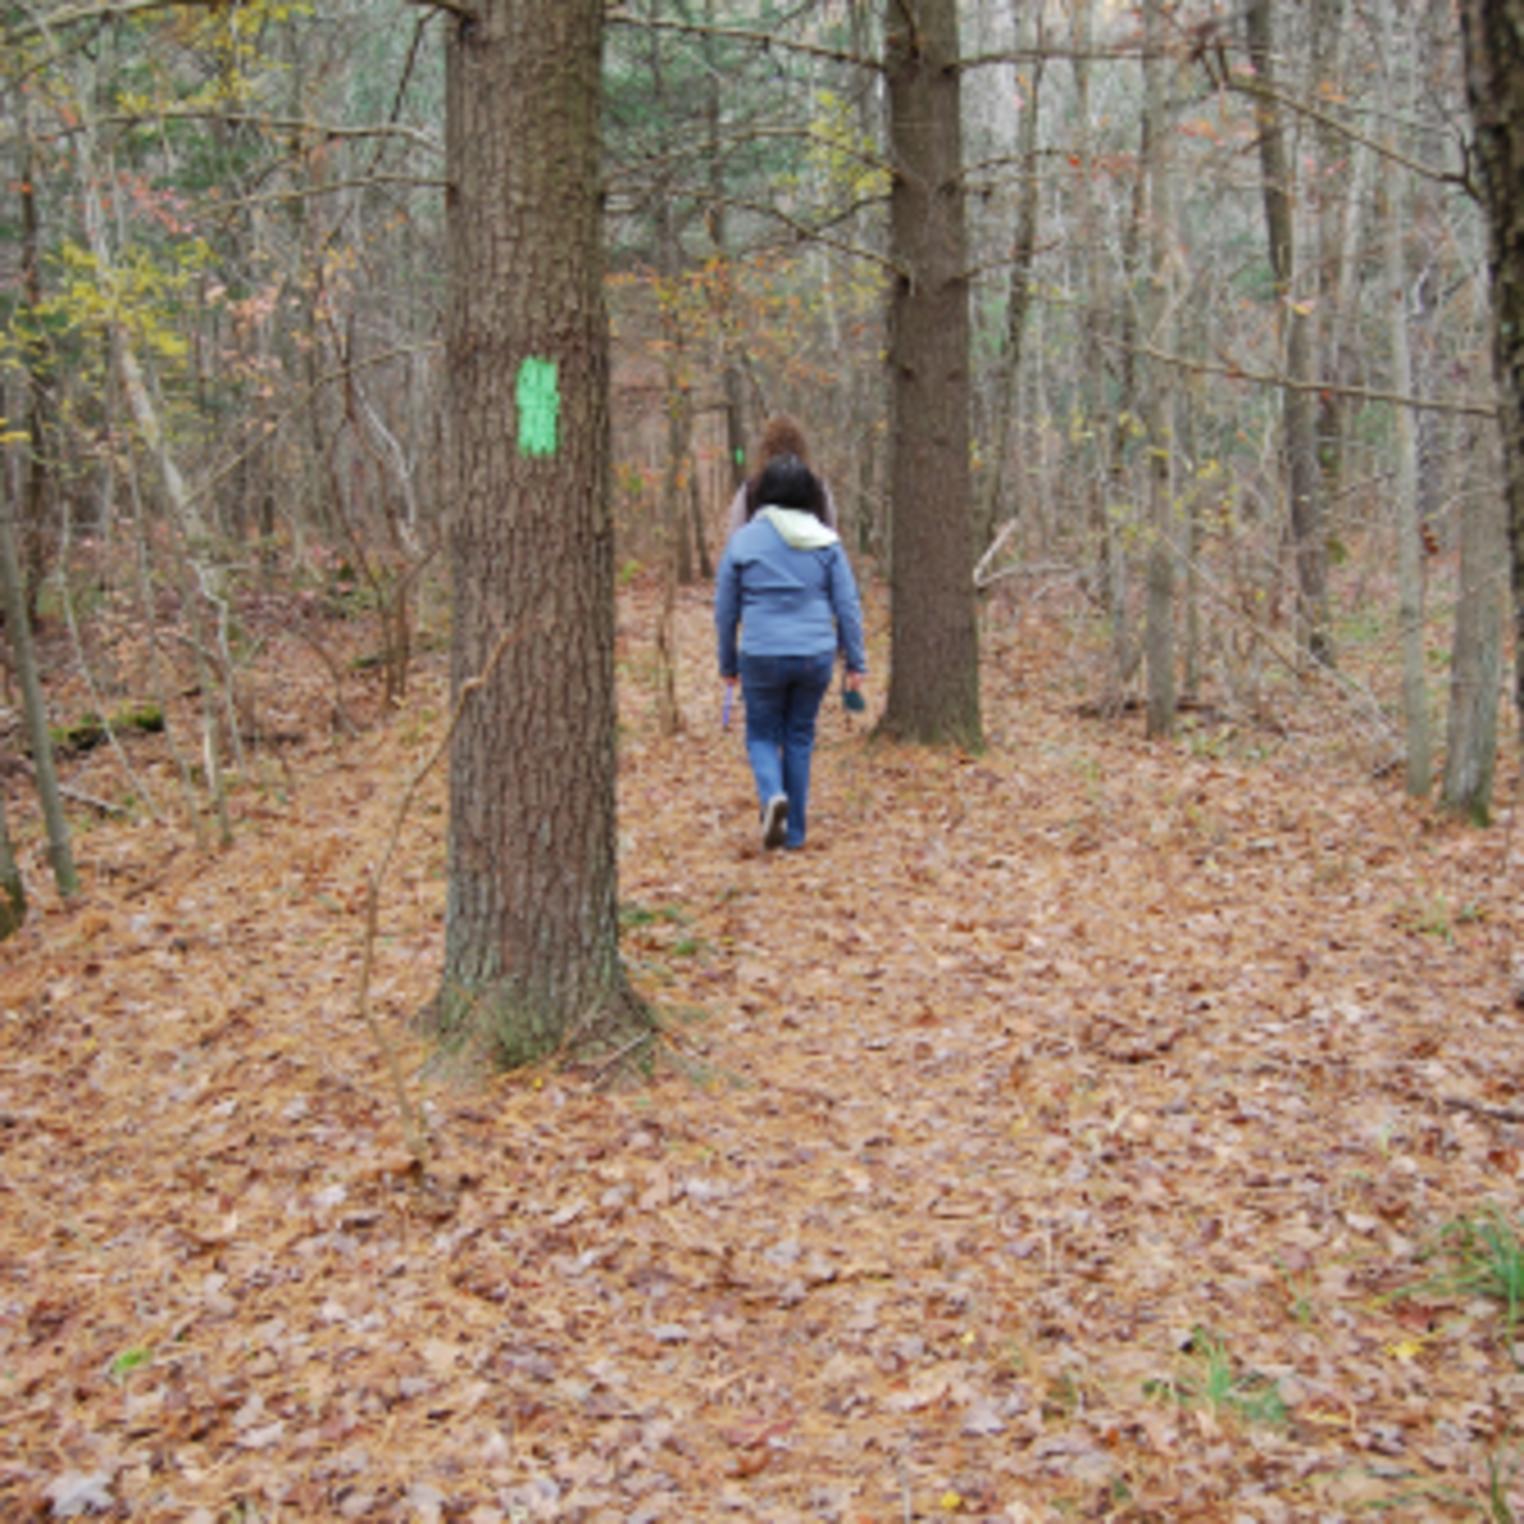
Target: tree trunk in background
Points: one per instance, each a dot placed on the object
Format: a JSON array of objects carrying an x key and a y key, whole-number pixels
[
  {"x": 1476, "y": 658},
  {"x": 1493, "y": 36},
  {"x": 731, "y": 387},
  {"x": 39, "y": 389},
  {"x": 19, "y": 629},
  {"x": 722, "y": 298},
  {"x": 677, "y": 405},
  {"x": 1410, "y": 573},
  {"x": 1158, "y": 389},
  {"x": 1091, "y": 427},
  {"x": 677, "y": 402},
  {"x": 1123, "y": 412},
  {"x": 998, "y": 499},
  {"x": 532, "y": 933},
  {"x": 1298, "y": 418},
  {"x": 1332, "y": 163},
  {"x": 934, "y": 681},
  {"x": 12, "y": 889}
]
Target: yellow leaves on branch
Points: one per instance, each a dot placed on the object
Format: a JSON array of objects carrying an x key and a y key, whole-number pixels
[
  {"x": 140, "y": 293},
  {"x": 842, "y": 153},
  {"x": 231, "y": 37},
  {"x": 234, "y": 26}
]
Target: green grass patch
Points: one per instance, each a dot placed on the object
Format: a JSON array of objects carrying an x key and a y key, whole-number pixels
[
  {"x": 129, "y": 1360},
  {"x": 632, "y": 914},
  {"x": 1481, "y": 1256},
  {"x": 1208, "y": 1377}
]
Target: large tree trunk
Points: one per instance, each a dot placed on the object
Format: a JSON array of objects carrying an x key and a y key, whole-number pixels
[
  {"x": 531, "y": 936},
  {"x": 1493, "y": 35},
  {"x": 934, "y": 681},
  {"x": 1298, "y": 419}
]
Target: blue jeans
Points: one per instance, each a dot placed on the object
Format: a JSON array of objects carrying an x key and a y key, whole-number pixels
[{"x": 783, "y": 695}]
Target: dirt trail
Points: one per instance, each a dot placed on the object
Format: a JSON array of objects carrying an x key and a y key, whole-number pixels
[{"x": 1037, "y": 1143}]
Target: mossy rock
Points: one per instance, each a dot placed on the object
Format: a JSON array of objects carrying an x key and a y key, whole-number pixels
[{"x": 142, "y": 715}]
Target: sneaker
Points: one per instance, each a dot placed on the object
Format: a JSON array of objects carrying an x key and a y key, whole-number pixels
[{"x": 775, "y": 821}]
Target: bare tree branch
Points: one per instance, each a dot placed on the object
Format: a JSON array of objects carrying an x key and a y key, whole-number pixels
[
  {"x": 106, "y": 10},
  {"x": 1125, "y": 52},
  {"x": 1467, "y": 407},
  {"x": 306, "y": 192},
  {"x": 1245, "y": 84},
  {"x": 699, "y": 152},
  {"x": 326, "y": 132},
  {"x": 764, "y": 40},
  {"x": 804, "y": 231}
]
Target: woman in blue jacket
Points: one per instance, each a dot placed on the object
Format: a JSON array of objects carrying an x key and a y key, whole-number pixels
[{"x": 785, "y": 586}]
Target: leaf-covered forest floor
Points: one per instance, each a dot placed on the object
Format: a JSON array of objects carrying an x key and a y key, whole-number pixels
[{"x": 1047, "y": 1140}]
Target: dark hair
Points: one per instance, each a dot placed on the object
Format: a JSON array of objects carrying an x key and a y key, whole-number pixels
[{"x": 787, "y": 483}]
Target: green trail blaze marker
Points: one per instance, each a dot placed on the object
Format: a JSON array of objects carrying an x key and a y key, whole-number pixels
[
  {"x": 538, "y": 395},
  {"x": 740, "y": 456}
]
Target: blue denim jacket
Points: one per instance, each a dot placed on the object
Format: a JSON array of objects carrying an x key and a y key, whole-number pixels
[{"x": 787, "y": 602}]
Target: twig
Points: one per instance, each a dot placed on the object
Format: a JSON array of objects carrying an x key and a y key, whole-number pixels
[
  {"x": 613, "y": 1060},
  {"x": 1466, "y": 407},
  {"x": 1495, "y": 1113},
  {"x": 1245, "y": 84},
  {"x": 766, "y": 41},
  {"x": 71, "y": 618},
  {"x": 1360, "y": 697},
  {"x": 340, "y": 713},
  {"x": 79, "y": 796}
]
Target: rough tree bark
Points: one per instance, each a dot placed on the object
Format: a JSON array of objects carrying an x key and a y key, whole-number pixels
[
  {"x": 1492, "y": 33},
  {"x": 1298, "y": 418},
  {"x": 934, "y": 678},
  {"x": 531, "y": 936}
]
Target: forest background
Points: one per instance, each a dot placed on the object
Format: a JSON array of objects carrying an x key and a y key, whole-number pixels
[{"x": 1233, "y": 467}]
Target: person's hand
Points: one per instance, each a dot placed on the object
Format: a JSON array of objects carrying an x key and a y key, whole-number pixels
[{"x": 852, "y": 681}]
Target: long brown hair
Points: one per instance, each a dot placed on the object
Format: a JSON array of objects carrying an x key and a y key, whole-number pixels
[{"x": 781, "y": 435}]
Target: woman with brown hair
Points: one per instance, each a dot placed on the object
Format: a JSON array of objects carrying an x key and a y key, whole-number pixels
[{"x": 781, "y": 436}]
